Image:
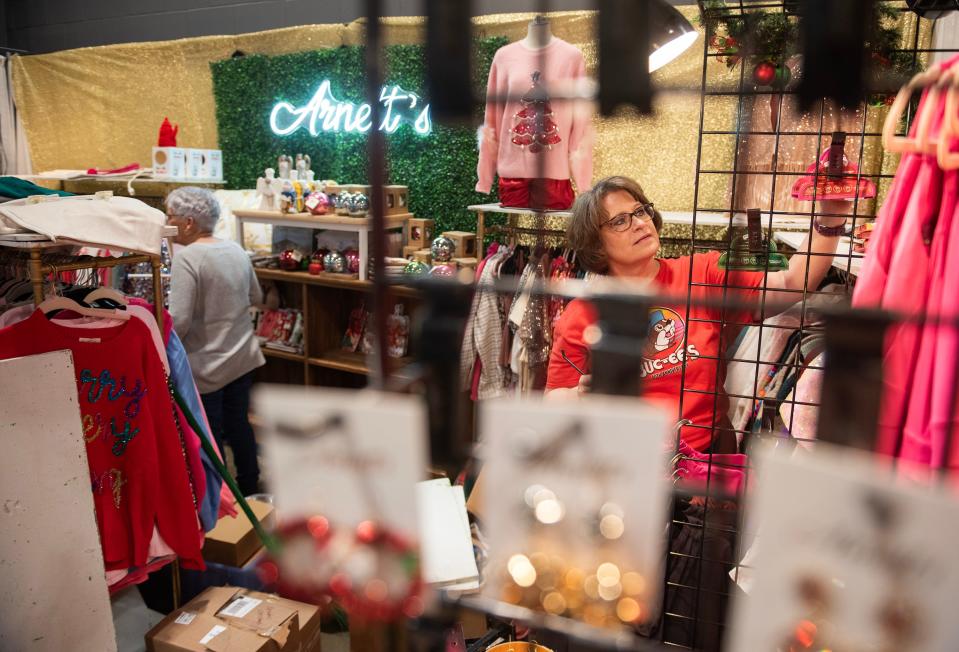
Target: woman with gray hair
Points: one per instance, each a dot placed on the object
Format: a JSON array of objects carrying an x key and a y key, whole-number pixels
[{"x": 211, "y": 291}]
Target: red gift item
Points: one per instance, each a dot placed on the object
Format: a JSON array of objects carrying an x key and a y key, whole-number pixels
[
  {"x": 821, "y": 187},
  {"x": 125, "y": 169},
  {"x": 168, "y": 132}
]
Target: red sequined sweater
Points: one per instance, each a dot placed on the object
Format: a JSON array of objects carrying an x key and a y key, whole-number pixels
[{"x": 138, "y": 471}]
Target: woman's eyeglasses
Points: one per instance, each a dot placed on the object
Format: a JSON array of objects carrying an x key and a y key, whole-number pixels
[{"x": 623, "y": 221}]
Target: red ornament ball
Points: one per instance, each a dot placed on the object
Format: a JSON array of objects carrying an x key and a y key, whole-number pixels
[
  {"x": 764, "y": 73},
  {"x": 319, "y": 526},
  {"x": 291, "y": 260},
  {"x": 352, "y": 260},
  {"x": 367, "y": 532},
  {"x": 315, "y": 268}
]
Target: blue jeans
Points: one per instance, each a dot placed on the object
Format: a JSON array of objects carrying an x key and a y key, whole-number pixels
[{"x": 227, "y": 410}]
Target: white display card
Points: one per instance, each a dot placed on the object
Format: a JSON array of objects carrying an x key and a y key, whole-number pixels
[
  {"x": 848, "y": 559},
  {"x": 445, "y": 538},
  {"x": 586, "y": 485},
  {"x": 54, "y": 593},
  {"x": 349, "y": 456}
]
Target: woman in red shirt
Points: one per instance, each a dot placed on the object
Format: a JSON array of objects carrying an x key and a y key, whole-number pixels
[{"x": 615, "y": 231}]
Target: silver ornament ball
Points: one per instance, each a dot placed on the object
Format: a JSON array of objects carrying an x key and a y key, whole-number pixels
[
  {"x": 334, "y": 262},
  {"x": 442, "y": 249}
]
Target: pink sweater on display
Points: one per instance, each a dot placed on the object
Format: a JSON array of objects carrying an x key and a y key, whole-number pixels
[{"x": 504, "y": 149}]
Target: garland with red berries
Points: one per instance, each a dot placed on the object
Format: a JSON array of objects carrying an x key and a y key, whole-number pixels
[{"x": 765, "y": 40}]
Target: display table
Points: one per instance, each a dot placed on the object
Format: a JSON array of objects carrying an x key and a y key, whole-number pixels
[
  {"x": 360, "y": 225},
  {"x": 151, "y": 191}
]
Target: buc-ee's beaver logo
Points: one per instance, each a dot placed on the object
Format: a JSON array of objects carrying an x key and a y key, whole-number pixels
[{"x": 665, "y": 346}]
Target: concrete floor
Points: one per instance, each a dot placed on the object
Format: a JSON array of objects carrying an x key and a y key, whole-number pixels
[{"x": 132, "y": 620}]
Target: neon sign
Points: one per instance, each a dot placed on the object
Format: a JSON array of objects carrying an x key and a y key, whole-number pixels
[{"x": 325, "y": 113}]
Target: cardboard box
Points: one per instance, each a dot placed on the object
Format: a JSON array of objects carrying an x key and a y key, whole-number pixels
[
  {"x": 169, "y": 163},
  {"x": 214, "y": 164},
  {"x": 228, "y": 619},
  {"x": 233, "y": 541},
  {"x": 195, "y": 163}
]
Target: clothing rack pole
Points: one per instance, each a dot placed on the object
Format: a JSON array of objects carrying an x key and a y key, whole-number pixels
[
  {"x": 157, "y": 264},
  {"x": 480, "y": 234},
  {"x": 36, "y": 276}
]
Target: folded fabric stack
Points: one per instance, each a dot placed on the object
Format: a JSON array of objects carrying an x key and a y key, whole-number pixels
[
  {"x": 393, "y": 267},
  {"x": 120, "y": 223}
]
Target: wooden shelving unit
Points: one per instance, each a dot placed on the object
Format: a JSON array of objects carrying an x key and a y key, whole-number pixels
[
  {"x": 363, "y": 226},
  {"x": 354, "y": 363},
  {"x": 326, "y": 301},
  {"x": 342, "y": 281},
  {"x": 282, "y": 355}
]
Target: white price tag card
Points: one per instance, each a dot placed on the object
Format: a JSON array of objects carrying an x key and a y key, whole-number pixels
[
  {"x": 185, "y": 618},
  {"x": 348, "y": 456},
  {"x": 240, "y": 607},
  {"x": 215, "y": 631},
  {"x": 576, "y": 497},
  {"x": 846, "y": 558}
]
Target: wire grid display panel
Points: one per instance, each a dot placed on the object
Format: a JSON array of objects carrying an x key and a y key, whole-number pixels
[{"x": 755, "y": 143}]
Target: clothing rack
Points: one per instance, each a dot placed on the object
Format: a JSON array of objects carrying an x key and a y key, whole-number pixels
[
  {"x": 511, "y": 227},
  {"x": 40, "y": 260}
]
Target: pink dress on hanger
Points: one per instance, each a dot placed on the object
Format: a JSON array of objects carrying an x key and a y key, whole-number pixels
[
  {"x": 943, "y": 412},
  {"x": 917, "y": 440},
  {"x": 895, "y": 277},
  {"x": 905, "y": 272}
]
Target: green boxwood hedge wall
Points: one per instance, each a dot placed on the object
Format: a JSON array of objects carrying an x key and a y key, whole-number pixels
[{"x": 440, "y": 169}]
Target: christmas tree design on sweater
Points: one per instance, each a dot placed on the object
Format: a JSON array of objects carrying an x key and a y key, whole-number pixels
[{"x": 533, "y": 125}]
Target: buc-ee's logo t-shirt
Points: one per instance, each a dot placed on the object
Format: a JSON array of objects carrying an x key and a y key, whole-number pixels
[{"x": 673, "y": 337}]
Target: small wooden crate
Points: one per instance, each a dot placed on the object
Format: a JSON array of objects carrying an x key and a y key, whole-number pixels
[
  {"x": 465, "y": 243},
  {"x": 466, "y": 263},
  {"x": 423, "y": 256},
  {"x": 354, "y": 188},
  {"x": 409, "y": 250},
  {"x": 419, "y": 232},
  {"x": 396, "y": 200}
]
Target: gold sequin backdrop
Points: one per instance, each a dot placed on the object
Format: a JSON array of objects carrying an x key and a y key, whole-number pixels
[{"x": 102, "y": 106}]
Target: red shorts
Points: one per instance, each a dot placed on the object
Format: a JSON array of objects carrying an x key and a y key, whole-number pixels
[{"x": 542, "y": 194}]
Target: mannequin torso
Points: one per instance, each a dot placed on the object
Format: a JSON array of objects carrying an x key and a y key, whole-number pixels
[{"x": 538, "y": 34}]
